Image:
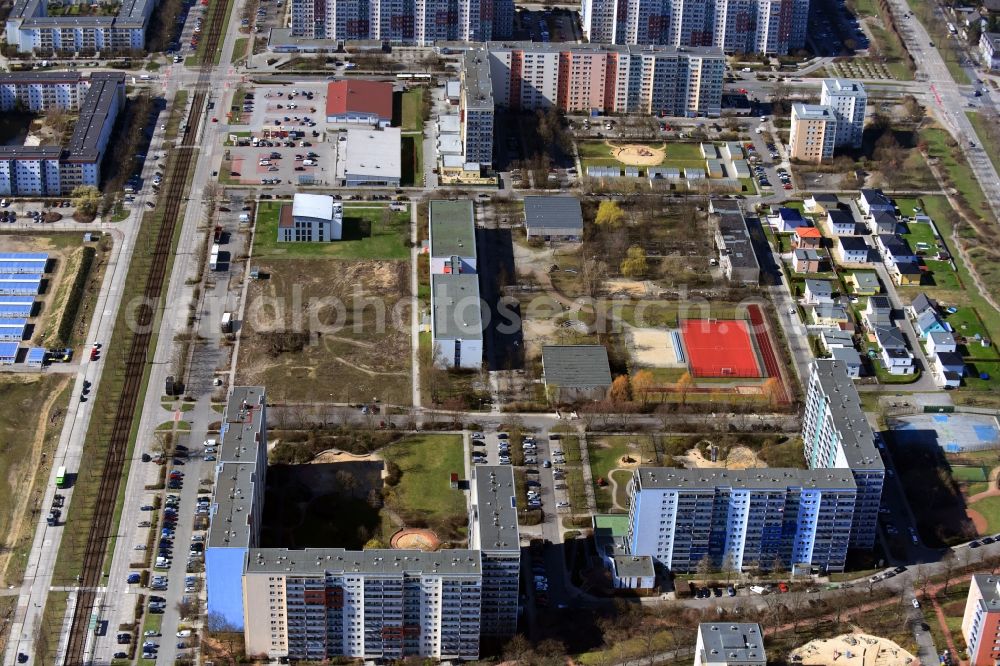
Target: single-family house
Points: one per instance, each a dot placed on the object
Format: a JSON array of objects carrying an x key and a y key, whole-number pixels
[
  {"x": 948, "y": 368},
  {"x": 841, "y": 222},
  {"x": 805, "y": 261},
  {"x": 787, "y": 220},
  {"x": 921, "y": 303},
  {"x": 871, "y": 201},
  {"x": 881, "y": 222},
  {"x": 851, "y": 359},
  {"x": 835, "y": 338},
  {"x": 895, "y": 356},
  {"x": 863, "y": 283},
  {"x": 821, "y": 203},
  {"x": 807, "y": 237},
  {"x": 851, "y": 250},
  {"x": 877, "y": 312},
  {"x": 830, "y": 314},
  {"x": 940, "y": 341},
  {"x": 894, "y": 249},
  {"x": 906, "y": 274},
  {"x": 927, "y": 322},
  {"x": 575, "y": 372},
  {"x": 818, "y": 291}
]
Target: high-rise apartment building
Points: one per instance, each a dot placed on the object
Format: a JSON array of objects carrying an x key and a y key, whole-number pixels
[
  {"x": 813, "y": 134},
  {"x": 738, "y": 519},
  {"x": 742, "y": 519},
  {"x": 377, "y": 604},
  {"x": 736, "y": 26},
  {"x": 607, "y": 78},
  {"x": 420, "y": 22},
  {"x": 981, "y": 621},
  {"x": 476, "y": 108},
  {"x": 836, "y": 435},
  {"x": 849, "y": 100}
]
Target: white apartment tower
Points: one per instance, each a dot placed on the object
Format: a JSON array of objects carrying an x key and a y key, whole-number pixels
[{"x": 849, "y": 100}]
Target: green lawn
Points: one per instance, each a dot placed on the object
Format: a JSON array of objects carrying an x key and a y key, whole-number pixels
[
  {"x": 968, "y": 473},
  {"x": 966, "y": 322},
  {"x": 907, "y": 206},
  {"x": 239, "y": 51},
  {"x": 959, "y": 172},
  {"x": 990, "y": 509},
  {"x": 942, "y": 275},
  {"x": 424, "y": 489},
  {"x": 605, "y": 454},
  {"x": 980, "y": 126},
  {"x": 918, "y": 232},
  {"x": 412, "y": 110},
  {"x": 371, "y": 231}
]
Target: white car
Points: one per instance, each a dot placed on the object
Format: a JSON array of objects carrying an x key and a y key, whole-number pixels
[
  {"x": 915, "y": 602},
  {"x": 183, "y": 633},
  {"x": 562, "y": 505}
]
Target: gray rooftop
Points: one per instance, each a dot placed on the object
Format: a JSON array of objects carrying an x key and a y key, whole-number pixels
[
  {"x": 452, "y": 229},
  {"x": 806, "y": 254},
  {"x": 50, "y": 78},
  {"x": 322, "y": 561},
  {"x": 31, "y": 13},
  {"x": 456, "y": 306},
  {"x": 237, "y": 469},
  {"x": 890, "y": 337},
  {"x": 848, "y": 355},
  {"x": 621, "y": 49},
  {"x": 671, "y": 478},
  {"x": 732, "y": 642},
  {"x": 494, "y": 509},
  {"x": 553, "y": 213},
  {"x": 990, "y": 588},
  {"x": 852, "y": 243},
  {"x": 812, "y": 112},
  {"x": 634, "y": 566},
  {"x": 857, "y": 439},
  {"x": 478, "y": 89},
  {"x": 736, "y": 238},
  {"x": 848, "y": 87},
  {"x": 98, "y": 107},
  {"x": 576, "y": 366}
]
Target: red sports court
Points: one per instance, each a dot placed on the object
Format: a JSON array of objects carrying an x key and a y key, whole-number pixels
[{"x": 719, "y": 348}]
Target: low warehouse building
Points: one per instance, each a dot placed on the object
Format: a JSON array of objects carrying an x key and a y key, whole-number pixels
[
  {"x": 552, "y": 218},
  {"x": 359, "y": 102},
  {"x": 575, "y": 372},
  {"x": 371, "y": 157}
]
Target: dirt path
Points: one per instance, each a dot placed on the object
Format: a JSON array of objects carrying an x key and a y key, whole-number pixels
[
  {"x": 943, "y": 623},
  {"x": 992, "y": 491},
  {"x": 367, "y": 371},
  {"x": 613, "y": 486},
  {"x": 23, "y": 489}
]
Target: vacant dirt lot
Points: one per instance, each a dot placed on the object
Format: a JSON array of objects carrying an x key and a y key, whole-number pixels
[{"x": 317, "y": 330}]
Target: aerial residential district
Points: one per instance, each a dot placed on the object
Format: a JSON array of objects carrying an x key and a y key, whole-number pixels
[{"x": 639, "y": 333}]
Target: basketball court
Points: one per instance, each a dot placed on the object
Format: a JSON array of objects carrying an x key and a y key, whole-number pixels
[{"x": 720, "y": 348}]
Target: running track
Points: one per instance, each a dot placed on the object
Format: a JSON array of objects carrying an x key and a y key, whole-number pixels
[{"x": 760, "y": 334}]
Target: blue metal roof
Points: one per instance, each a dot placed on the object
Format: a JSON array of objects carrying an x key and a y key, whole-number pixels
[
  {"x": 22, "y": 266},
  {"x": 36, "y": 355},
  {"x": 20, "y": 277},
  {"x": 23, "y": 256},
  {"x": 17, "y": 300},
  {"x": 8, "y": 311},
  {"x": 8, "y": 350}
]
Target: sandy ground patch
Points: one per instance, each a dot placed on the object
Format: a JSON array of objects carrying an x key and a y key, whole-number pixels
[
  {"x": 415, "y": 539},
  {"x": 338, "y": 456},
  {"x": 653, "y": 348},
  {"x": 638, "y": 154},
  {"x": 536, "y": 332},
  {"x": 637, "y": 288},
  {"x": 854, "y": 649},
  {"x": 740, "y": 457}
]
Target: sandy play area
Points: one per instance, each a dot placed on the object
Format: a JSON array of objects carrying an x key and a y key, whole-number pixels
[
  {"x": 338, "y": 456},
  {"x": 638, "y": 154},
  {"x": 654, "y": 348},
  {"x": 740, "y": 457},
  {"x": 852, "y": 650},
  {"x": 415, "y": 539}
]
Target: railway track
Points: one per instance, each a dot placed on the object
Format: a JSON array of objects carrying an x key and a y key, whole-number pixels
[{"x": 171, "y": 199}]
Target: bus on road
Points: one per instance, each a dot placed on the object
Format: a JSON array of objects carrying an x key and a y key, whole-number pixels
[{"x": 61, "y": 477}]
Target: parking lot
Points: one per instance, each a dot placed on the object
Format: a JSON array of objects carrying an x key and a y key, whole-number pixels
[{"x": 288, "y": 141}]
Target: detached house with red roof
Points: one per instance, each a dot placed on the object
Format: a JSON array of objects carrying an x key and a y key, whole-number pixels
[
  {"x": 807, "y": 238},
  {"x": 358, "y": 101}
]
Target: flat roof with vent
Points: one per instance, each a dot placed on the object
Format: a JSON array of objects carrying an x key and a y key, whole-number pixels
[
  {"x": 478, "y": 85},
  {"x": 452, "y": 229},
  {"x": 731, "y": 643},
  {"x": 373, "y": 154},
  {"x": 494, "y": 509},
  {"x": 858, "y": 442},
  {"x": 766, "y": 478},
  {"x": 323, "y": 561}
]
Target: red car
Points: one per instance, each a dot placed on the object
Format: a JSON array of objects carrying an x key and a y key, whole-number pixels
[{"x": 782, "y": 587}]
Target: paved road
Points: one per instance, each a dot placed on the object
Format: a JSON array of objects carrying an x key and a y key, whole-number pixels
[{"x": 45, "y": 547}]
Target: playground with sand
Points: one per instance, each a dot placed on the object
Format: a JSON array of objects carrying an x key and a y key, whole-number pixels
[
  {"x": 855, "y": 649},
  {"x": 637, "y": 154}
]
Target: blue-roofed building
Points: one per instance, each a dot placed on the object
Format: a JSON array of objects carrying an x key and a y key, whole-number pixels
[
  {"x": 16, "y": 311},
  {"x": 12, "y": 329},
  {"x": 36, "y": 357},
  {"x": 20, "y": 283},
  {"x": 7, "y": 299},
  {"x": 33, "y": 266},
  {"x": 24, "y": 256},
  {"x": 8, "y": 353}
]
